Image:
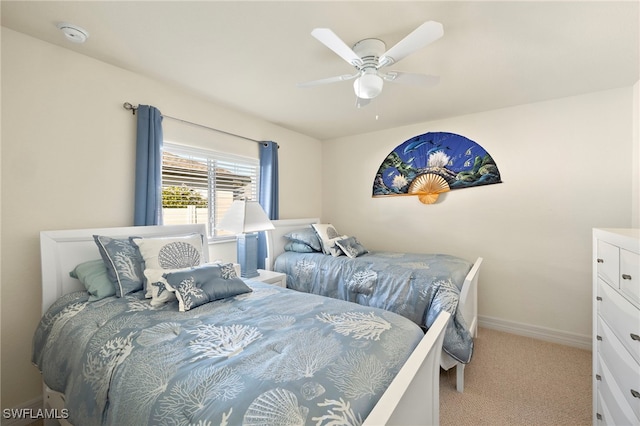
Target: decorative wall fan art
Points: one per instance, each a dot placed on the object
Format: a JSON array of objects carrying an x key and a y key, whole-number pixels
[{"x": 432, "y": 163}]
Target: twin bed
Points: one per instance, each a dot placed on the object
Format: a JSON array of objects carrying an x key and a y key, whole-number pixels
[
  {"x": 263, "y": 356},
  {"x": 416, "y": 286}
]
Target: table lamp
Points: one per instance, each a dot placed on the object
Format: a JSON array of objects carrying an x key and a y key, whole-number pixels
[{"x": 246, "y": 219}]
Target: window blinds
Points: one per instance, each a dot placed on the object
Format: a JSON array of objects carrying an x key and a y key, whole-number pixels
[{"x": 199, "y": 179}]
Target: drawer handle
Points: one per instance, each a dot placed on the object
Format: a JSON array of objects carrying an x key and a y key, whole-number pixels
[
  {"x": 599, "y": 416},
  {"x": 626, "y": 276},
  {"x": 635, "y": 393},
  {"x": 635, "y": 337},
  {"x": 599, "y": 338},
  {"x": 598, "y": 377},
  {"x": 600, "y": 260},
  {"x": 599, "y": 299}
]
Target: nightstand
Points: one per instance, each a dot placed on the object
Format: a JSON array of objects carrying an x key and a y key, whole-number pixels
[{"x": 271, "y": 277}]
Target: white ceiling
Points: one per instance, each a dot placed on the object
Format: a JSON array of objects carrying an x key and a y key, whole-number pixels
[{"x": 250, "y": 55}]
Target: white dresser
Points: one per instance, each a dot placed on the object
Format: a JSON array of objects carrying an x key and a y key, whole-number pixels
[{"x": 616, "y": 327}]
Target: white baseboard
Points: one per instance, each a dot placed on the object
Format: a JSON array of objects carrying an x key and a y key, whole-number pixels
[
  {"x": 542, "y": 333},
  {"x": 34, "y": 405}
]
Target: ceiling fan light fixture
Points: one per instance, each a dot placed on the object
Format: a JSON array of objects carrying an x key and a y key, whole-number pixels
[
  {"x": 368, "y": 85},
  {"x": 369, "y": 55}
]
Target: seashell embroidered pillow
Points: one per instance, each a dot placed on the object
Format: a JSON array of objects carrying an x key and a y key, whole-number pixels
[
  {"x": 170, "y": 253},
  {"x": 328, "y": 236}
]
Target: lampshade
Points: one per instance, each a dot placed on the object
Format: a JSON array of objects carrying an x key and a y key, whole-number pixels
[
  {"x": 245, "y": 217},
  {"x": 368, "y": 86}
]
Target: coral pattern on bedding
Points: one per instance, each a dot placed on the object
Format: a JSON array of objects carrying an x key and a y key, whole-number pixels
[
  {"x": 416, "y": 286},
  {"x": 268, "y": 357}
]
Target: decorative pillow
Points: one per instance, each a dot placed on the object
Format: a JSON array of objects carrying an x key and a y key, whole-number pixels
[
  {"x": 123, "y": 263},
  {"x": 161, "y": 292},
  {"x": 332, "y": 247},
  {"x": 93, "y": 275},
  {"x": 299, "y": 247},
  {"x": 170, "y": 253},
  {"x": 351, "y": 247},
  {"x": 306, "y": 236},
  {"x": 326, "y": 234},
  {"x": 197, "y": 286}
]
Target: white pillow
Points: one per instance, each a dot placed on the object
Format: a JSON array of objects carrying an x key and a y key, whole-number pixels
[
  {"x": 327, "y": 235},
  {"x": 157, "y": 285},
  {"x": 170, "y": 253},
  {"x": 334, "y": 249}
]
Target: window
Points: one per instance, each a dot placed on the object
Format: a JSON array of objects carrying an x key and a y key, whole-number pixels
[{"x": 199, "y": 185}]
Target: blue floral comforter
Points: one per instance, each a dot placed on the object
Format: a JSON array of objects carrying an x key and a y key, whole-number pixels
[
  {"x": 416, "y": 286},
  {"x": 271, "y": 356}
]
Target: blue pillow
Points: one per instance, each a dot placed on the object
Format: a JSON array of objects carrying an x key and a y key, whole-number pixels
[
  {"x": 203, "y": 284},
  {"x": 351, "y": 247},
  {"x": 123, "y": 262},
  {"x": 305, "y": 236},
  {"x": 93, "y": 275},
  {"x": 298, "y": 247}
]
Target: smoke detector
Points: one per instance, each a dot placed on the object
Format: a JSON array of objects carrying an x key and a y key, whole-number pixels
[{"x": 73, "y": 33}]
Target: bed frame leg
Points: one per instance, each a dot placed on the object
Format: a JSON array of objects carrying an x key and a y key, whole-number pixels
[{"x": 460, "y": 377}]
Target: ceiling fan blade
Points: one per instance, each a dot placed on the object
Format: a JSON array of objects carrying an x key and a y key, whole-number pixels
[
  {"x": 328, "y": 80},
  {"x": 426, "y": 33},
  {"x": 333, "y": 42},
  {"x": 411, "y": 78}
]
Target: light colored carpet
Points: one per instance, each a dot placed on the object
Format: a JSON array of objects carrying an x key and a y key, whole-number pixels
[{"x": 515, "y": 380}]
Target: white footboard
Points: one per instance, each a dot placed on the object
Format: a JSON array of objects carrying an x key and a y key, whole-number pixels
[
  {"x": 413, "y": 397},
  {"x": 468, "y": 306}
]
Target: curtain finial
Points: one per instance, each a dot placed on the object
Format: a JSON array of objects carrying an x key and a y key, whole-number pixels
[{"x": 129, "y": 107}]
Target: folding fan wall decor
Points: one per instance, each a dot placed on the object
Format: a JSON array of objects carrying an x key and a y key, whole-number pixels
[{"x": 432, "y": 163}]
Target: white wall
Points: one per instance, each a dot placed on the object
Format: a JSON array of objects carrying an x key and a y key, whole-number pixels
[
  {"x": 67, "y": 142},
  {"x": 68, "y": 151},
  {"x": 635, "y": 158},
  {"x": 566, "y": 168}
]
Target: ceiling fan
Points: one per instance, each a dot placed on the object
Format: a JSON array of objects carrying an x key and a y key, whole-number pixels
[{"x": 369, "y": 56}]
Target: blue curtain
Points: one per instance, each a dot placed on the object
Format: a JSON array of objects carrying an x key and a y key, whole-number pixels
[
  {"x": 268, "y": 192},
  {"x": 148, "y": 191}
]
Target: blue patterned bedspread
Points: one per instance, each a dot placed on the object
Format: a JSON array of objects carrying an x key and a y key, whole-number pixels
[
  {"x": 272, "y": 356},
  {"x": 416, "y": 286}
]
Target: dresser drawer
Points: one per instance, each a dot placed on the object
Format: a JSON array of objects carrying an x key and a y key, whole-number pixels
[
  {"x": 616, "y": 326},
  {"x": 619, "y": 412},
  {"x": 603, "y": 414},
  {"x": 608, "y": 263},
  {"x": 621, "y": 316},
  {"x": 630, "y": 275},
  {"x": 621, "y": 365}
]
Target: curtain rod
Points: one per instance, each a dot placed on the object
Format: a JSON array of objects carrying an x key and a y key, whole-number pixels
[{"x": 130, "y": 107}]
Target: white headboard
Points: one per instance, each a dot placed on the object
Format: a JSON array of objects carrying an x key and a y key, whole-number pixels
[
  {"x": 275, "y": 237},
  {"x": 61, "y": 251}
]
